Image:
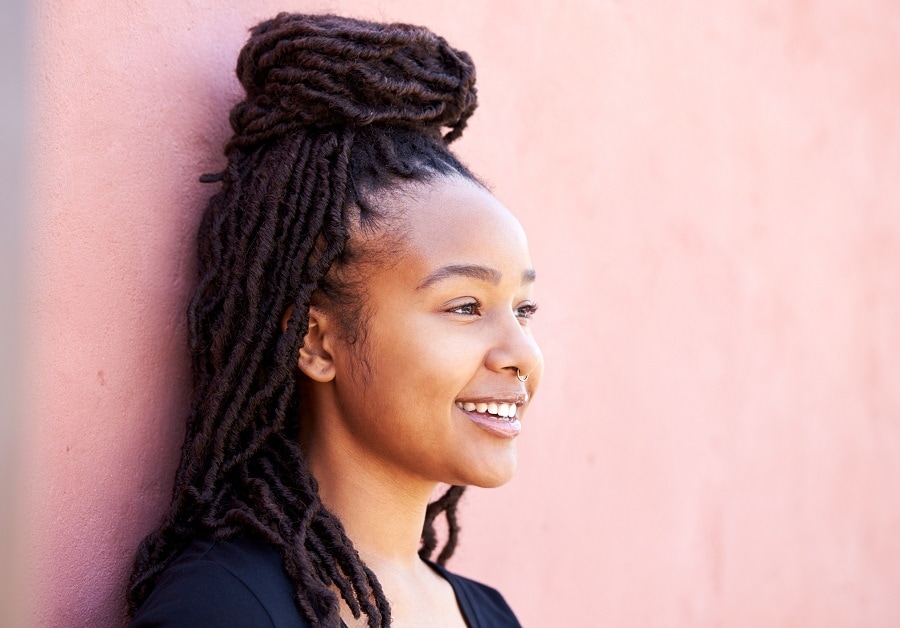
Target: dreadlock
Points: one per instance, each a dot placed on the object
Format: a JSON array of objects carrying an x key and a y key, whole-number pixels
[{"x": 336, "y": 111}]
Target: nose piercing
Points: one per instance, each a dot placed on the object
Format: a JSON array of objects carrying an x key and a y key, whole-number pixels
[{"x": 520, "y": 377}]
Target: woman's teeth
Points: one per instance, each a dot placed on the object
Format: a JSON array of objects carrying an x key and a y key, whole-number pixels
[{"x": 502, "y": 410}]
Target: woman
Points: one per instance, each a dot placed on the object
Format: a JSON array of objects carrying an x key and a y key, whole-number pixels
[{"x": 360, "y": 334}]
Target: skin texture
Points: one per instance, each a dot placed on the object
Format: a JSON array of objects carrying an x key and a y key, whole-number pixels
[{"x": 392, "y": 430}]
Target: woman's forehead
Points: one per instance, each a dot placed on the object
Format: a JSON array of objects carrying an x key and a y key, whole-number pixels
[
  {"x": 449, "y": 211},
  {"x": 452, "y": 221}
]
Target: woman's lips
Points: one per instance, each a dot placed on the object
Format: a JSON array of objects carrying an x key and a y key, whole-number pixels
[{"x": 504, "y": 427}]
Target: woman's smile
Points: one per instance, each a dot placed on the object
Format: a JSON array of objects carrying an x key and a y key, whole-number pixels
[
  {"x": 493, "y": 418},
  {"x": 496, "y": 414}
]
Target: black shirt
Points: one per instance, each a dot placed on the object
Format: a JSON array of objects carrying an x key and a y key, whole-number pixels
[{"x": 241, "y": 583}]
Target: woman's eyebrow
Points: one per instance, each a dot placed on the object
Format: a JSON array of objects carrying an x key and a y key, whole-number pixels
[
  {"x": 528, "y": 276},
  {"x": 475, "y": 271}
]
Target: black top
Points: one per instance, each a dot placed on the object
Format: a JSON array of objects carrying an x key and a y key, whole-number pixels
[{"x": 241, "y": 583}]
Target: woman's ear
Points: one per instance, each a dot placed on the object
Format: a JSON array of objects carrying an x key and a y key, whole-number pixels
[{"x": 315, "y": 360}]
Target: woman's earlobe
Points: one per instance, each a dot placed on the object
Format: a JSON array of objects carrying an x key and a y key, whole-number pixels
[{"x": 315, "y": 359}]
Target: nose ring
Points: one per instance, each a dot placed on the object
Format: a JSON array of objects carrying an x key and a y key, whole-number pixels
[{"x": 520, "y": 377}]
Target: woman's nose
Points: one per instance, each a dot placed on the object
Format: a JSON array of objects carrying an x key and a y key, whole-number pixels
[{"x": 515, "y": 349}]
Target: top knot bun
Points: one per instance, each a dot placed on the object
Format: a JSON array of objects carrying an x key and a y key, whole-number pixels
[{"x": 324, "y": 70}]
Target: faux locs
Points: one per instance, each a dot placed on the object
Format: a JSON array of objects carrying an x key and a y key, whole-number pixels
[{"x": 337, "y": 110}]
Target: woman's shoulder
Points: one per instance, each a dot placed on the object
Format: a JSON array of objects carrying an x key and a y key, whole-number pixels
[
  {"x": 482, "y": 605},
  {"x": 222, "y": 583}
]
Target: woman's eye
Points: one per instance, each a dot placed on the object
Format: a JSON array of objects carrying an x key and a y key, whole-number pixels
[
  {"x": 469, "y": 309},
  {"x": 526, "y": 310}
]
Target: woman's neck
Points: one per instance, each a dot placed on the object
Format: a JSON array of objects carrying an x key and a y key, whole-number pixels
[{"x": 381, "y": 508}]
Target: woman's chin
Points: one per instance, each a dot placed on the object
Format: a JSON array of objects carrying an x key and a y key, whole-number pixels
[
  {"x": 493, "y": 472},
  {"x": 496, "y": 481}
]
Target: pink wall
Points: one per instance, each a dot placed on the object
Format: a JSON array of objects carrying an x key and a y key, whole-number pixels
[{"x": 714, "y": 213}]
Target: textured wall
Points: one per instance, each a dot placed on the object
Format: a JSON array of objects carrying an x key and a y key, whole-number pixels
[
  {"x": 13, "y": 71},
  {"x": 711, "y": 194}
]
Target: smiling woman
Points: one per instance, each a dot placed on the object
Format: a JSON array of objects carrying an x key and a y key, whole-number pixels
[{"x": 360, "y": 334}]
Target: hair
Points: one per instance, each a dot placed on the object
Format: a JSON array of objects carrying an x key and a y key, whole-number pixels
[{"x": 337, "y": 111}]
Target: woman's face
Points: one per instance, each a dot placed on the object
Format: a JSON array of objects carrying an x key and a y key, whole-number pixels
[{"x": 447, "y": 330}]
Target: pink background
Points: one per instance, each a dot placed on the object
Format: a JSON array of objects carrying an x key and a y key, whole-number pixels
[{"x": 711, "y": 192}]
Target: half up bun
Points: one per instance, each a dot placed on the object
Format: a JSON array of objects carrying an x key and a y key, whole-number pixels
[{"x": 328, "y": 71}]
